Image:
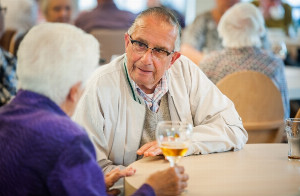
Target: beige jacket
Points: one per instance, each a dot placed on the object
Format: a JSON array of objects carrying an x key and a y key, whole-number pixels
[{"x": 114, "y": 120}]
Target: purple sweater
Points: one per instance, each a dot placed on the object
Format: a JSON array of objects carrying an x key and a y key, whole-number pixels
[{"x": 43, "y": 152}]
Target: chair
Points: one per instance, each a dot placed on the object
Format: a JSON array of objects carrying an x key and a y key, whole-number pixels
[
  {"x": 111, "y": 42},
  {"x": 258, "y": 102},
  {"x": 7, "y": 38},
  {"x": 298, "y": 114}
]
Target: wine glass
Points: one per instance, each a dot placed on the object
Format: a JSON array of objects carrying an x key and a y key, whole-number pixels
[{"x": 173, "y": 137}]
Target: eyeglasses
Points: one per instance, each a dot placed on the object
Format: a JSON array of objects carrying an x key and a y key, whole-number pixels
[
  {"x": 142, "y": 48},
  {"x": 3, "y": 10}
]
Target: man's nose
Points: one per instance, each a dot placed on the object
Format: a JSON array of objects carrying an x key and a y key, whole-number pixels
[{"x": 147, "y": 56}]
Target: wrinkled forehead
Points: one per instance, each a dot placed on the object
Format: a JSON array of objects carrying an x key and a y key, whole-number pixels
[{"x": 155, "y": 25}]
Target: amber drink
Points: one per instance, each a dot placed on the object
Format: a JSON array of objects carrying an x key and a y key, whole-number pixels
[
  {"x": 173, "y": 137},
  {"x": 174, "y": 149}
]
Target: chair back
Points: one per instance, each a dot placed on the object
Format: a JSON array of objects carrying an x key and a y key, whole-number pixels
[
  {"x": 6, "y": 39},
  {"x": 298, "y": 114},
  {"x": 111, "y": 42},
  {"x": 258, "y": 102}
]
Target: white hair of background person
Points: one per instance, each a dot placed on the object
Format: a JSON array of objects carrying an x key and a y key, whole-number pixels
[
  {"x": 241, "y": 26},
  {"x": 21, "y": 15},
  {"x": 53, "y": 57}
]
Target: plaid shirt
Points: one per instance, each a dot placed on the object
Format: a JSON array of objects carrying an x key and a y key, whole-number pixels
[
  {"x": 219, "y": 64},
  {"x": 7, "y": 76},
  {"x": 160, "y": 90}
]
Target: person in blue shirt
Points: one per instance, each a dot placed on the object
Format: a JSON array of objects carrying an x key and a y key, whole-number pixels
[{"x": 8, "y": 79}]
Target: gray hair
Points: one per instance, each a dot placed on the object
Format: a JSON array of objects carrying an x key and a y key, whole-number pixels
[
  {"x": 165, "y": 15},
  {"x": 53, "y": 57},
  {"x": 241, "y": 26}
]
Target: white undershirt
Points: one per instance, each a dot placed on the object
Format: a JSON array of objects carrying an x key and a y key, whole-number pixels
[{"x": 150, "y": 95}]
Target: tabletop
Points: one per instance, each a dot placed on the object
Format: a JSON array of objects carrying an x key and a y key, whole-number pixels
[{"x": 257, "y": 169}]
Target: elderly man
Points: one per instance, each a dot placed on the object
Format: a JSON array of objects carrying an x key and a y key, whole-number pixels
[
  {"x": 57, "y": 10},
  {"x": 126, "y": 99},
  {"x": 43, "y": 152}
]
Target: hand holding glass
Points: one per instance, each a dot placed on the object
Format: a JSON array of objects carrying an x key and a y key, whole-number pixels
[{"x": 173, "y": 137}]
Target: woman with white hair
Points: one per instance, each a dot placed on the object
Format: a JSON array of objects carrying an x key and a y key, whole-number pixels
[
  {"x": 43, "y": 152},
  {"x": 241, "y": 29}
]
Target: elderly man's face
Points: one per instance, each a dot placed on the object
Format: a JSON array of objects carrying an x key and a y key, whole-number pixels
[
  {"x": 147, "y": 68},
  {"x": 59, "y": 11}
]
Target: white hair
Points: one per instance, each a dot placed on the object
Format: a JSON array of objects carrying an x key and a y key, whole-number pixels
[
  {"x": 21, "y": 14},
  {"x": 242, "y": 25},
  {"x": 53, "y": 57},
  {"x": 164, "y": 15}
]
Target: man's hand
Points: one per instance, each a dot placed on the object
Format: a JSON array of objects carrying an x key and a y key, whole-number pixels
[
  {"x": 113, "y": 176},
  {"x": 149, "y": 149},
  {"x": 171, "y": 181}
]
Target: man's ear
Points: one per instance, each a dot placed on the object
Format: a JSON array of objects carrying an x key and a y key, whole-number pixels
[
  {"x": 75, "y": 92},
  {"x": 175, "y": 56},
  {"x": 127, "y": 41}
]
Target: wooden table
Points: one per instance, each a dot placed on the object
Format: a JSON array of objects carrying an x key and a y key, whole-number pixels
[{"x": 258, "y": 169}]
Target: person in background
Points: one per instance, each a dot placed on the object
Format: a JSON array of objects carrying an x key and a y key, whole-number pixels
[
  {"x": 277, "y": 15},
  {"x": 157, "y": 3},
  {"x": 240, "y": 29},
  {"x": 57, "y": 10},
  {"x": 106, "y": 15},
  {"x": 20, "y": 17},
  {"x": 152, "y": 82},
  {"x": 201, "y": 36},
  {"x": 8, "y": 79},
  {"x": 21, "y": 14},
  {"x": 43, "y": 152}
]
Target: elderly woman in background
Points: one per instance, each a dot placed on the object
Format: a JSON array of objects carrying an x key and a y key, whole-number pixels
[
  {"x": 21, "y": 15},
  {"x": 241, "y": 28},
  {"x": 57, "y": 10},
  {"x": 201, "y": 36}
]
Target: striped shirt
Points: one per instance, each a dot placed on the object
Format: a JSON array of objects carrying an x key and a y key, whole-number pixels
[{"x": 160, "y": 90}]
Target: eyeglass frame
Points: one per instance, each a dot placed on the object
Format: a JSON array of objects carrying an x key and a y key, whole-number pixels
[{"x": 146, "y": 45}]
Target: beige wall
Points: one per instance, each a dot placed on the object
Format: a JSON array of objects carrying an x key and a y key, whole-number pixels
[
  {"x": 195, "y": 7},
  {"x": 204, "y": 5}
]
